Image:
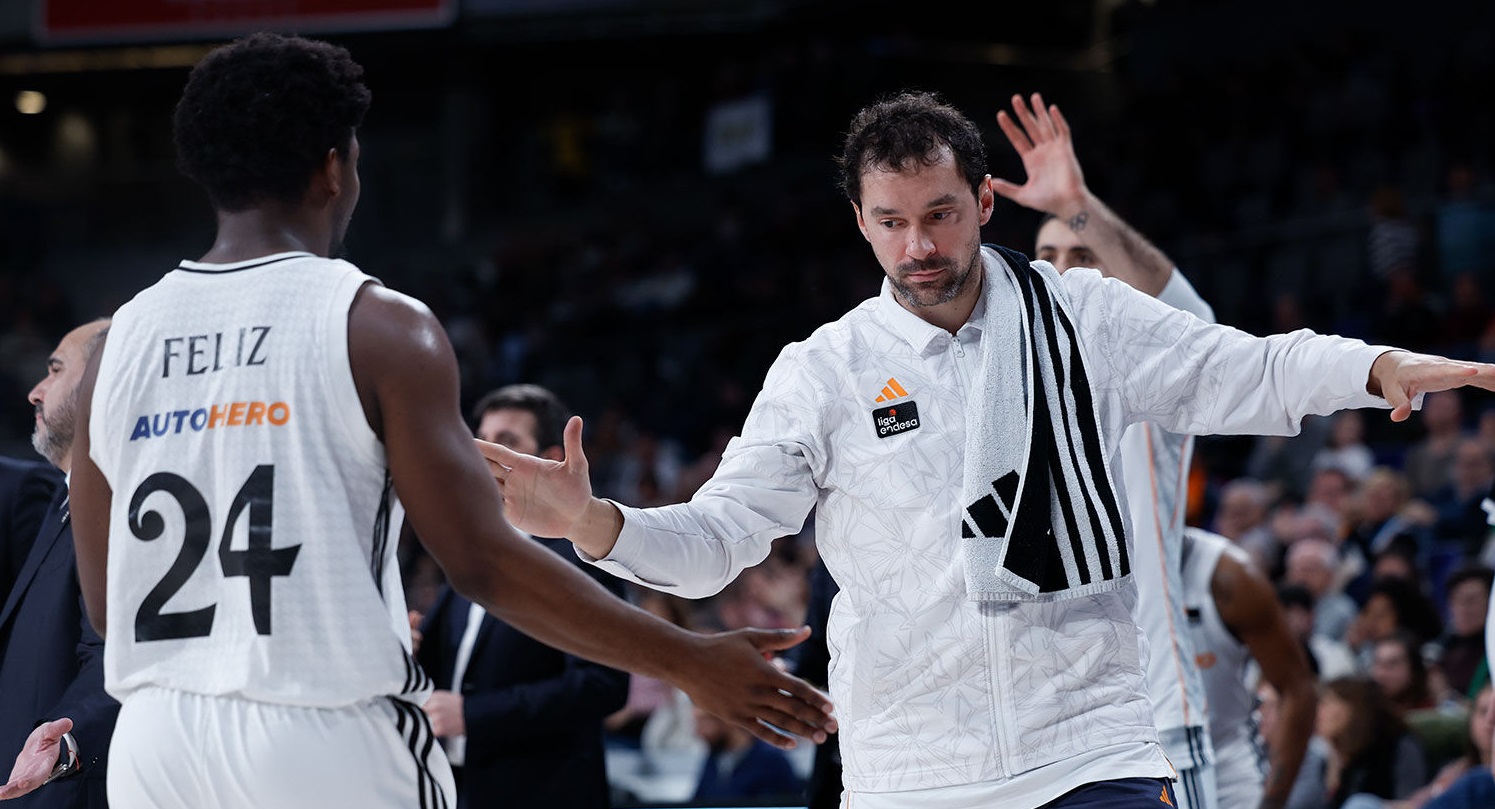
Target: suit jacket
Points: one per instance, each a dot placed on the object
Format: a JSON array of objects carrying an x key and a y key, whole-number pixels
[
  {"x": 533, "y": 714},
  {"x": 26, "y": 489},
  {"x": 52, "y": 665}
]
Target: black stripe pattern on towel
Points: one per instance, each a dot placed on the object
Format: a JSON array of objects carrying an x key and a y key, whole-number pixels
[{"x": 1041, "y": 518}]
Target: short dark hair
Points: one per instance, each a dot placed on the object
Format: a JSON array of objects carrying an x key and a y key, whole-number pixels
[
  {"x": 1471, "y": 572},
  {"x": 258, "y": 116},
  {"x": 1415, "y": 612},
  {"x": 549, "y": 411},
  {"x": 910, "y": 127}
]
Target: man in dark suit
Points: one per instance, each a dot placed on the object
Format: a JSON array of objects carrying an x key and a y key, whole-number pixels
[
  {"x": 26, "y": 488},
  {"x": 54, "y": 715},
  {"x": 521, "y": 721}
]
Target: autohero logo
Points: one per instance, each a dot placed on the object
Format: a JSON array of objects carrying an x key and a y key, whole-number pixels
[{"x": 900, "y": 416}]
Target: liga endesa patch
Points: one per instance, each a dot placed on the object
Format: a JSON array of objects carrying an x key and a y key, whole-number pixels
[{"x": 895, "y": 419}]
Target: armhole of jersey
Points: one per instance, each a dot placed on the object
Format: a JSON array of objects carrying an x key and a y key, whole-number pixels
[
  {"x": 100, "y": 450},
  {"x": 342, "y": 393}
]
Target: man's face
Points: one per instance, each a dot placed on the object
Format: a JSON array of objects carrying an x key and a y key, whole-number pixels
[
  {"x": 55, "y": 397},
  {"x": 1309, "y": 572},
  {"x": 1239, "y": 513},
  {"x": 1468, "y": 604},
  {"x": 1299, "y": 621},
  {"x": 1390, "y": 668},
  {"x": 513, "y": 427},
  {"x": 1062, "y": 247},
  {"x": 924, "y": 225}
]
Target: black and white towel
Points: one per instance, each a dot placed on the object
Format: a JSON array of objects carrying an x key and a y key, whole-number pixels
[{"x": 1041, "y": 518}]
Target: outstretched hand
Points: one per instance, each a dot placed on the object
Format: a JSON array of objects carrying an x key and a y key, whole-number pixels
[
  {"x": 542, "y": 497},
  {"x": 731, "y": 664},
  {"x": 1401, "y": 376},
  {"x": 36, "y": 760},
  {"x": 1040, "y": 136}
]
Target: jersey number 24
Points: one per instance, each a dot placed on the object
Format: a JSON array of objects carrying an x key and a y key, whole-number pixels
[{"x": 259, "y": 562}]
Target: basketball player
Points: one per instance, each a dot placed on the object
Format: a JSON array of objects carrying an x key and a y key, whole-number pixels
[
  {"x": 1234, "y": 617},
  {"x": 1078, "y": 230},
  {"x": 256, "y": 421},
  {"x": 954, "y": 437}
]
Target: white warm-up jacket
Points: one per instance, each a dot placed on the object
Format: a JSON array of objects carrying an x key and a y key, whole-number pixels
[{"x": 932, "y": 689}]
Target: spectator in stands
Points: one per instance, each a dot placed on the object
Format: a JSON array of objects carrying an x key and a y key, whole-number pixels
[
  {"x": 1327, "y": 657},
  {"x": 657, "y": 717},
  {"x": 1371, "y": 749},
  {"x": 1397, "y": 667},
  {"x": 1462, "y": 664},
  {"x": 1314, "y": 565},
  {"x": 1393, "y": 604},
  {"x": 521, "y": 721},
  {"x": 1308, "y": 790},
  {"x": 1346, "y": 449},
  {"x": 1460, "y": 525},
  {"x": 1429, "y": 460},
  {"x": 1241, "y": 517},
  {"x": 1466, "y": 782},
  {"x": 740, "y": 768},
  {"x": 1333, "y": 489},
  {"x": 1385, "y": 516}
]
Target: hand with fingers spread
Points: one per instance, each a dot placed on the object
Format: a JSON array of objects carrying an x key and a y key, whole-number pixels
[
  {"x": 1041, "y": 137},
  {"x": 1401, "y": 376},
  {"x": 37, "y": 759},
  {"x": 730, "y": 664}
]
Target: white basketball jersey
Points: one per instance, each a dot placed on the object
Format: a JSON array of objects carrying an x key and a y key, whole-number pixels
[
  {"x": 1155, "y": 466},
  {"x": 253, "y": 529},
  {"x": 1155, "y": 474},
  {"x": 1222, "y": 661}
]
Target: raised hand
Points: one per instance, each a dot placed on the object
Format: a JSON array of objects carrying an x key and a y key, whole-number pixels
[
  {"x": 1040, "y": 136},
  {"x": 729, "y": 664},
  {"x": 37, "y": 758},
  {"x": 542, "y": 497},
  {"x": 1400, "y": 376}
]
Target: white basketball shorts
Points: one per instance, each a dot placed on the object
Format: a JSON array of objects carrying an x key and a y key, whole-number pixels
[{"x": 175, "y": 750}]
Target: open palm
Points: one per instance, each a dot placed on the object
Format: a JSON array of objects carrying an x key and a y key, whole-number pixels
[{"x": 1040, "y": 136}]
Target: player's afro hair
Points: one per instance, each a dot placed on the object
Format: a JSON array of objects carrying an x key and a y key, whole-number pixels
[{"x": 258, "y": 116}]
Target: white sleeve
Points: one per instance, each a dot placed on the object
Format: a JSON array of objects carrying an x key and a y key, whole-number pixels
[
  {"x": 762, "y": 490},
  {"x": 1167, "y": 366}
]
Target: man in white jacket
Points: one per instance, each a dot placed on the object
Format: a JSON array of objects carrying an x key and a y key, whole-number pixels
[{"x": 948, "y": 698}]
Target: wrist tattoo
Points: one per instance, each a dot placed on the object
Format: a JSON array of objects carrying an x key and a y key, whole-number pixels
[{"x": 1078, "y": 221}]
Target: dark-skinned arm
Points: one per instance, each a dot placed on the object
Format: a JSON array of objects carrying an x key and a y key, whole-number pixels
[
  {"x": 407, "y": 378},
  {"x": 1248, "y": 606},
  {"x": 89, "y": 500}
]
